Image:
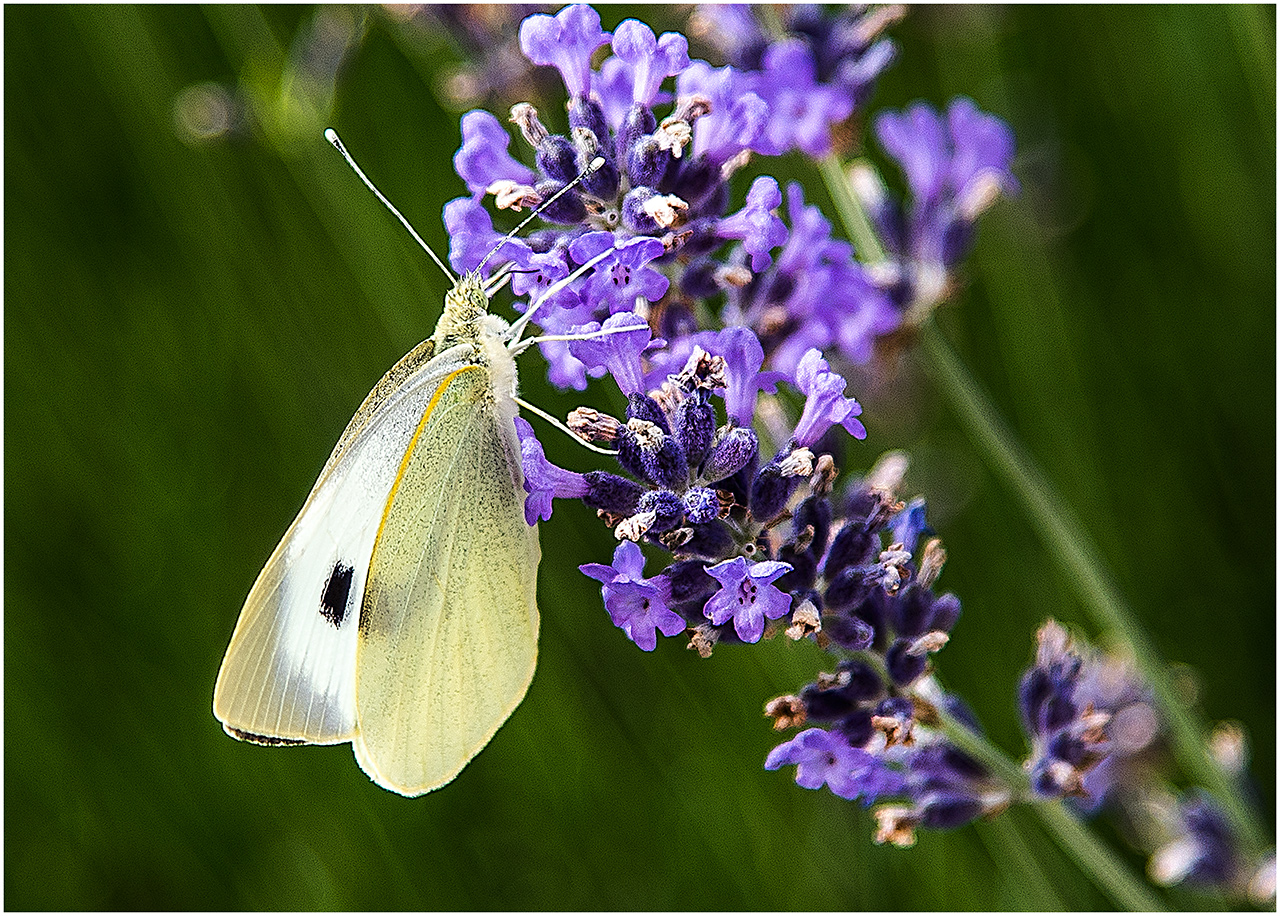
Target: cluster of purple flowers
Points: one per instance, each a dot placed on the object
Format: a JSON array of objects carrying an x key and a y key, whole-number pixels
[
  {"x": 874, "y": 736},
  {"x": 759, "y": 541},
  {"x": 1087, "y": 716},
  {"x": 658, "y": 210},
  {"x": 815, "y": 73}
]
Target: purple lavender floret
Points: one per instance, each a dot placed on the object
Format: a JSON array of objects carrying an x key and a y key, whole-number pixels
[
  {"x": 542, "y": 479},
  {"x": 747, "y": 596},
  {"x": 1203, "y": 851},
  {"x": 638, "y": 606},
  {"x": 565, "y": 41},
  {"x": 824, "y": 757}
]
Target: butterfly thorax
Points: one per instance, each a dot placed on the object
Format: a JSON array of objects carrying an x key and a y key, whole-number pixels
[{"x": 466, "y": 322}]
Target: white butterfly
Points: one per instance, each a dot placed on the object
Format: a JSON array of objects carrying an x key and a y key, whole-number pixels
[{"x": 399, "y": 611}]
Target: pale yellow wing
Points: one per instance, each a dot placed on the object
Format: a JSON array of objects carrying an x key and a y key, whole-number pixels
[
  {"x": 289, "y": 673},
  {"x": 448, "y": 633}
]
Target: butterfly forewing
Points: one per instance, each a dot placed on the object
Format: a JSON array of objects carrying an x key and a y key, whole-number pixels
[
  {"x": 289, "y": 673},
  {"x": 449, "y": 627}
]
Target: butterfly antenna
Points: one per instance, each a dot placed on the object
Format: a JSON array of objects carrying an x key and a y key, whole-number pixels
[
  {"x": 592, "y": 166},
  {"x": 332, "y": 136}
]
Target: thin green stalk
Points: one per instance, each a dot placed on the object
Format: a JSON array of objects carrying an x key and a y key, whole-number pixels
[
  {"x": 1062, "y": 533},
  {"x": 1094, "y": 858},
  {"x": 1006, "y": 843},
  {"x": 1071, "y": 546},
  {"x": 865, "y": 241}
]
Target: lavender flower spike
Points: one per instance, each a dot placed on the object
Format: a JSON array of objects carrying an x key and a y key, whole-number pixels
[
  {"x": 747, "y": 595},
  {"x": 826, "y": 404}
]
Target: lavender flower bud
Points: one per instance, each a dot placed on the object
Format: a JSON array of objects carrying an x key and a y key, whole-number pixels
[
  {"x": 853, "y": 545},
  {"x": 731, "y": 454},
  {"x": 695, "y": 427},
  {"x": 567, "y": 209},
  {"x": 846, "y": 590},
  {"x": 850, "y": 632},
  {"x": 557, "y": 159},
  {"x": 904, "y": 667},
  {"x": 712, "y": 541},
  {"x": 856, "y": 727},
  {"x": 944, "y": 812},
  {"x": 646, "y": 450},
  {"x": 647, "y": 161},
  {"x": 701, "y": 505},
  {"x": 587, "y": 114},
  {"x": 912, "y": 612},
  {"x": 667, "y": 507},
  {"x": 642, "y": 407},
  {"x": 777, "y": 481},
  {"x": 946, "y": 611},
  {"x": 690, "y": 583},
  {"x": 638, "y": 122},
  {"x": 814, "y": 513},
  {"x": 612, "y": 493}
]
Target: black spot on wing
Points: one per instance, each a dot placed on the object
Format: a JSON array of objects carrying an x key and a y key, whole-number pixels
[
  {"x": 269, "y": 740},
  {"x": 333, "y": 600}
]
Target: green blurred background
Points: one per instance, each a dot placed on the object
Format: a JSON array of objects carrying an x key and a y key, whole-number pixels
[{"x": 192, "y": 314}]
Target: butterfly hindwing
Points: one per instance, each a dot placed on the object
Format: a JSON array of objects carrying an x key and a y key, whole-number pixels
[{"x": 449, "y": 627}]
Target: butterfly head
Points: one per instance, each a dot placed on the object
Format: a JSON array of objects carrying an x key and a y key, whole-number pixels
[{"x": 465, "y": 307}]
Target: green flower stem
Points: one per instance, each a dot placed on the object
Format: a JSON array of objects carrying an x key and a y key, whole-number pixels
[
  {"x": 1062, "y": 532},
  {"x": 1094, "y": 858},
  {"x": 1006, "y": 843},
  {"x": 856, "y": 222},
  {"x": 1071, "y": 546}
]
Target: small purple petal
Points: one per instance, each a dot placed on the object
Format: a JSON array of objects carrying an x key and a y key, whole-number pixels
[
  {"x": 618, "y": 353},
  {"x": 472, "y": 237},
  {"x": 543, "y": 481},
  {"x": 483, "y": 158},
  {"x": 628, "y": 566},
  {"x": 917, "y": 139},
  {"x": 565, "y": 41},
  {"x": 825, "y": 403}
]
